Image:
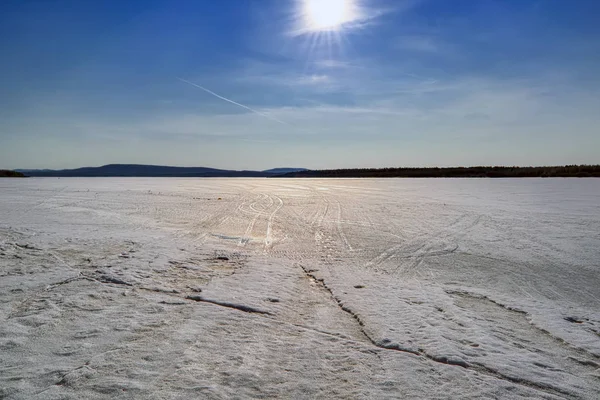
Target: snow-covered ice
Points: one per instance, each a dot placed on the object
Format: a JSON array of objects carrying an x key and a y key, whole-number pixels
[{"x": 306, "y": 288}]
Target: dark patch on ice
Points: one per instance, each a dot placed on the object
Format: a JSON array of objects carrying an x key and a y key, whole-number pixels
[
  {"x": 359, "y": 286},
  {"x": 112, "y": 279},
  {"x": 161, "y": 290},
  {"x": 87, "y": 334},
  {"x": 26, "y": 246},
  {"x": 222, "y": 258},
  {"x": 483, "y": 297},
  {"x": 389, "y": 345},
  {"x": 449, "y": 360},
  {"x": 575, "y": 320},
  {"x": 225, "y": 237},
  {"x": 240, "y": 307},
  {"x": 545, "y": 366}
]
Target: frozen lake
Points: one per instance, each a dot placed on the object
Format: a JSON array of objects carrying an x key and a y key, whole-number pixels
[{"x": 306, "y": 288}]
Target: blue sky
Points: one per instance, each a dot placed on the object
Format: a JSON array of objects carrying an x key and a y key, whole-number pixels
[{"x": 393, "y": 83}]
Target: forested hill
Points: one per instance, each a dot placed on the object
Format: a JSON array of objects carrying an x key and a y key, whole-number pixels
[
  {"x": 10, "y": 174},
  {"x": 135, "y": 170},
  {"x": 454, "y": 172}
]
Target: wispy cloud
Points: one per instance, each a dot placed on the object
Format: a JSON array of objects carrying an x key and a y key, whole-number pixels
[
  {"x": 333, "y": 64},
  {"x": 260, "y": 74},
  {"x": 313, "y": 80},
  {"x": 419, "y": 43}
]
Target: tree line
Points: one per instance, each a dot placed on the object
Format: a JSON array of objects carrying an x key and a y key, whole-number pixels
[{"x": 580, "y": 171}]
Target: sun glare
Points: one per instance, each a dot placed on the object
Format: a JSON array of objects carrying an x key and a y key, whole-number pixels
[
  {"x": 328, "y": 15},
  {"x": 324, "y": 25}
]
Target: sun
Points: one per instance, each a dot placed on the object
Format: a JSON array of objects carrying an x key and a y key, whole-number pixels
[
  {"x": 328, "y": 15},
  {"x": 323, "y": 27}
]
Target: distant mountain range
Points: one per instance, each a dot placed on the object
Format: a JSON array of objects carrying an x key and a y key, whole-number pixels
[{"x": 136, "y": 170}]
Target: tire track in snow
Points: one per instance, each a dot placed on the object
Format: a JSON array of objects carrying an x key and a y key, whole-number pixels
[
  {"x": 340, "y": 230},
  {"x": 246, "y": 237},
  {"x": 425, "y": 250},
  {"x": 269, "y": 236}
]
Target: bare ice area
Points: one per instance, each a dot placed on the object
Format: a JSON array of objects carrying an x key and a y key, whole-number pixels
[{"x": 306, "y": 288}]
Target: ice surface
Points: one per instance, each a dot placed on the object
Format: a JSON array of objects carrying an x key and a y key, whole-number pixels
[{"x": 276, "y": 288}]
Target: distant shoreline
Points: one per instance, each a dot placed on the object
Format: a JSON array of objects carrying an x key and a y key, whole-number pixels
[
  {"x": 567, "y": 171},
  {"x": 155, "y": 171}
]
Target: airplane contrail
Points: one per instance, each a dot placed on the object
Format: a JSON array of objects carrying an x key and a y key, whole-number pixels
[{"x": 233, "y": 102}]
